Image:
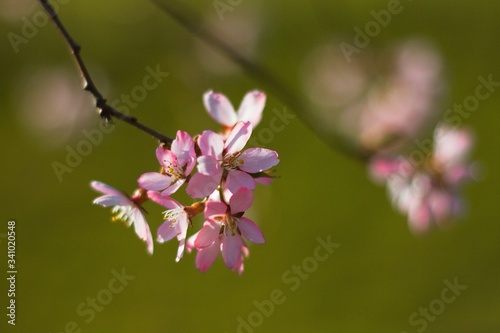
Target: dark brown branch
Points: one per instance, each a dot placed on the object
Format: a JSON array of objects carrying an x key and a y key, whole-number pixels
[{"x": 105, "y": 110}]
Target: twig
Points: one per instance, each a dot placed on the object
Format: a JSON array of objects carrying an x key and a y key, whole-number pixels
[
  {"x": 105, "y": 110},
  {"x": 188, "y": 19}
]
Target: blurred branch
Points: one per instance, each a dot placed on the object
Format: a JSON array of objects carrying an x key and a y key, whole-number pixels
[
  {"x": 188, "y": 19},
  {"x": 105, "y": 110}
]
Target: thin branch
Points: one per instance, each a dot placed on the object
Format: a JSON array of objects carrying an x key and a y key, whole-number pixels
[
  {"x": 105, "y": 110},
  {"x": 188, "y": 19}
]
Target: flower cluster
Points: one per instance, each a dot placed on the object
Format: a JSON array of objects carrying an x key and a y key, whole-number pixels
[
  {"x": 218, "y": 172},
  {"x": 427, "y": 189}
]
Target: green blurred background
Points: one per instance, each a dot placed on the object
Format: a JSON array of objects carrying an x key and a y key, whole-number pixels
[{"x": 379, "y": 276}]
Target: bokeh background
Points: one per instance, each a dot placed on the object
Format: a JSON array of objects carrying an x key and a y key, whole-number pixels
[{"x": 379, "y": 276}]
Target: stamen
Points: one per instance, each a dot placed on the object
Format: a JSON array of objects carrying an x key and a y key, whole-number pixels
[
  {"x": 172, "y": 215},
  {"x": 231, "y": 162}
]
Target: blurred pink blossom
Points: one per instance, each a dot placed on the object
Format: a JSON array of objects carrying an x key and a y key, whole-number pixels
[
  {"x": 377, "y": 101},
  {"x": 429, "y": 192}
]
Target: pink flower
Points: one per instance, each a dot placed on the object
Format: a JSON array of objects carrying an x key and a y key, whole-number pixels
[
  {"x": 378, "y": 107},
  {"x": 126, "y": 209},
  {"x": 223, "y": 231},
  {"x": 221, "y": 109},
  {"x": 429, "y": 192},
  {"x": 451, "y": 153},
  {"x": 381, "y": 169},
  {"x": 226, "y": 162},
  {"x": 176, "y": 221},
  {"x": 430, "y": 203},
  {"x": 177, "y": 163}
]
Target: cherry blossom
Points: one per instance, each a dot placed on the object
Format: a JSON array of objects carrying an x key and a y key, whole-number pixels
[
  {"x": 127, "y": 209},
  {"x": 177, "y": 220},
  {"x": 223, "y": 230},
  {"x": 429, "y": 193},
  {"x": 226, "y": 162},
  {"x": 226, "y": 173},
  {"x": 177, "y": 163}
]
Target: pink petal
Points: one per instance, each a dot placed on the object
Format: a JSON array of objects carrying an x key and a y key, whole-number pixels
[
  {"x": 105, "y": 189},
  {"x": 211, "y": 144},
  {"x": 419, "y": 217},
  {"x": 149, "y": 242},
  {"x": 207, "y": 235},
  {"x": 173, "y": 186},
  {"x": 190, "y": 242},
  {"x": 241, "y": 201},
  {"x": 201, "y": 186},
  {"x": 181, "y": 237},
  {"x": 112, "y": 200},
  {"x": 441, "y": 204},
  {"x": 183, "y": 148},
  {"x": 154, "y": 181},
  {"x": 238, "y": 137},
  {"x": 382, "y": 168},
  {"x": 258, "y": 159},
  {"x": 239, "y": 265},
  {"x": 215, "y": 208},
  {"x": 142, "y": 229},
  {"x": 231, "y": 249},
  {"x": 458, "y": 174},
  {"x": 244, "y": 251},
  {"x": 250, "y": 230},
  {"x": 452, "y": 145},
  {"x": 166, "y": 232},
  {"x": 208, "y": 166},
  {"x": 206, "y": 257},
  {"x": 251, "y": 107},
  {"x": 165, "y": 157},
  {"x": 112, "y": 196},
  {"x": 219, "y": 108},
  {"x": 238, "y": 179},
  {"x": 180, "y": 249},
  {"x": 164, "y": 200}
]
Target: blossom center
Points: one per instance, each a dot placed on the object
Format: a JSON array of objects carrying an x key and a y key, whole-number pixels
[
  {"x": 172, "y": 215},
  {"x": 122, "y": 213},
  {"x": 229, "y": 223},
  {"x": 175, "y": 172},
  {"x": 232, "y": 162}
]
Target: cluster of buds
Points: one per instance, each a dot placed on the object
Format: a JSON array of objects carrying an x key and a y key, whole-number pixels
[
  {"x": 427, "y": 189},
  {"x": 218, "y": 172}
]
